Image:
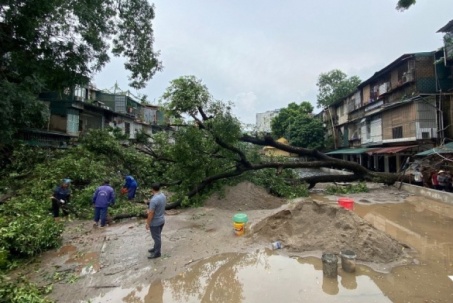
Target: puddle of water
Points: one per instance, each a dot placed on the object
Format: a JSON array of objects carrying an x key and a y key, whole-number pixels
[
  {"x": 66, "y": 250},
  {"x": 259, "y": 277},
  {"x": 430, "y": 234},
  {"x": 266, "y": 277}
]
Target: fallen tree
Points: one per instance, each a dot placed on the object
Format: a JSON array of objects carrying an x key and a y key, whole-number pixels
[{"x": 211, "y": 147}]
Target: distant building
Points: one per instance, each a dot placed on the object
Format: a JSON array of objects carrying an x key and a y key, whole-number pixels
[{"x": 263, "y": 120}]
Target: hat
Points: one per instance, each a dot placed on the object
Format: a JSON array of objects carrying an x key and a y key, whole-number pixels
[
  {"x": 441, "y": 171},
  {"x": 67, "y": 181}
]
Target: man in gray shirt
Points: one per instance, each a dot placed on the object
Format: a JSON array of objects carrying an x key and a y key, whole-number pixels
[{"x": 156, "y": 219}]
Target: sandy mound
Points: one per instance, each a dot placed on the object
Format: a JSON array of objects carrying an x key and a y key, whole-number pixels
[
  {"x": 244, "y": 196},
  {"x": 309, "y": 226}
]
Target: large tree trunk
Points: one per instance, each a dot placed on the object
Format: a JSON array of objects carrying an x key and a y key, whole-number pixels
[{"x": 316, "y": 160}]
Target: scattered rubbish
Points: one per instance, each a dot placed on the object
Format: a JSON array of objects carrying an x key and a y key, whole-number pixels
[
  {"x": 329, "y": 265},
  {"x": 277, "y": 245},
  {"x": 348, "y": 258}
]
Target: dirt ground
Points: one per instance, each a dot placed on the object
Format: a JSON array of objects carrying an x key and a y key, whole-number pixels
[{"x": 93, "y": 261}]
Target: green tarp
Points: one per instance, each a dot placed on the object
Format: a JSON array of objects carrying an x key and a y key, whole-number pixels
[
  {"x": 349, "y": 151},
  {"x": 445, "y": 149}
]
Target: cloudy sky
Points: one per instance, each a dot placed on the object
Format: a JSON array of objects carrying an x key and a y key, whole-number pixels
[{"x": 264, "y": 54}]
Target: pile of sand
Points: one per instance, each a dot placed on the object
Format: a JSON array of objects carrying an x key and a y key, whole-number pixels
[
  {"x": 309, "y": 226},
  {"x": 244, "y": 196}
]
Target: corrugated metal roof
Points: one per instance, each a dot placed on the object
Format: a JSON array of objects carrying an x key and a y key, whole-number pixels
[
  {"x": 447, "y": 28},
  {"x": 392, "y": 65},
  {"x": 390, "y": 150},
  {"x": 349, "y": 151},
  {"x": 445, "y": 149}
]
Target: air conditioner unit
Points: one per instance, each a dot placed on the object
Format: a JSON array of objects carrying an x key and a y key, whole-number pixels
[{"x": 409, "y": 76}]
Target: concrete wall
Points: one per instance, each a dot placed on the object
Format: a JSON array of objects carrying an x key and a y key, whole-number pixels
[{"x": 438, "y": 195}]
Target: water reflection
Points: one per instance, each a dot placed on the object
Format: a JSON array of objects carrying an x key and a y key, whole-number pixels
[
  {"x": 262, "y": 277},
  {"x": 428, "y": 232}
]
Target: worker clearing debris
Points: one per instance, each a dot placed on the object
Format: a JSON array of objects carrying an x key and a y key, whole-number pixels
[{"x": 129, "y": 187}]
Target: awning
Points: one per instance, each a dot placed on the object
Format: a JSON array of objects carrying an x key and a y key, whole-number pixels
[
  {"x": 446, "y": 149},
  {"x": 349, "y": 151},
  {"x": 390, "y": 150}
]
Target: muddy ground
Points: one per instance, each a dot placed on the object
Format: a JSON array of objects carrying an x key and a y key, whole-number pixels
[{"x": 94, "y": 261}]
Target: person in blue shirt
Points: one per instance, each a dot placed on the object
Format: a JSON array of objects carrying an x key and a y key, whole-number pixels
[
  {"x": 60, "y": 198},
  {"x": 103, "y": 197},
  {"x": 131, "y": 186}
]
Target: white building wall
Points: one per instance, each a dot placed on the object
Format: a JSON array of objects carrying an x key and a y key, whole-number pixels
[
  {"x": 263, "y": 120},
  {"x": 371, "y": 131},
  {"x": 342, "y": 114},
  {"x": 426, "y": 124}
]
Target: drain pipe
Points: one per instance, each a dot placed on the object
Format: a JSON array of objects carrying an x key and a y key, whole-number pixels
[{"x": 440, "y": 113}]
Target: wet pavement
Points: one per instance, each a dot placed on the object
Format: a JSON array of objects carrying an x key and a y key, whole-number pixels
[
  {"x": 265, "y": 275},
  {"x": 256, "y": 277}
]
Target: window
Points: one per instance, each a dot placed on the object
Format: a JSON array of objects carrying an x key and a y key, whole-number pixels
[
  {"x": 425, "y": 135},
  {"x": 120, "y": 104},
  {"x": 127, "y": 127},
  {"x": 72, "y": 122},
  {"x": 368, "y": 131},
  {"x": 397, "y": 132}
]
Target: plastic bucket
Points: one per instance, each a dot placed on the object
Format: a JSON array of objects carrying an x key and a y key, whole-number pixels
[
  {"x": 348, "y": 258},
  {"x": 239, "y": 228},
  {"x": 239, "y": 221},
  {"x": 329, "y": 265},
  {"x": 346, "y": 203}
]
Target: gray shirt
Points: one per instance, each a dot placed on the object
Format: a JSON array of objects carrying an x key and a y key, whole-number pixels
[{"x": 157, "y": 204}]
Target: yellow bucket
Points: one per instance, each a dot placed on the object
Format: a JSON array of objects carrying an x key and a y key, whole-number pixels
[{"x": 239, "y": 228}]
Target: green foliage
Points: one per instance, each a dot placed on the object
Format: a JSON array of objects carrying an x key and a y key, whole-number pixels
[
  {"x": 297, "y": 124},
  {"x": 26, "y": 225},
  {"x": 63, "y": 42},
  {"x": 21, "y": 291},
  {"x": 335, "y": 85},
  {"x": 404, "y": 4},
  {"x": 20, "y": 108},
  {"x": 347, "y": 189},
  {"x": 142, "y": 137},
  {"x": 278, "y": 183},
  {"x": 57, "y": 44},
  {"x": 185, "y": 95},
  {"x": 281, "y": 124}
]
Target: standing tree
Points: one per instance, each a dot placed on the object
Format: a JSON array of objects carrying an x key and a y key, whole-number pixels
[
  {"x": 297, "y": 124},
  {"x": 56, "y": 44},
  {"x": 334, "y": 86}
]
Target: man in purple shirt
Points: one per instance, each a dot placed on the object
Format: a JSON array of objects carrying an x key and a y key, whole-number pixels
[{"x": 103, "y": 197}]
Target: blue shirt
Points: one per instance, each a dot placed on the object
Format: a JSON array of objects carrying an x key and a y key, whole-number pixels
[
  {"x": 104, "y": 196},
  {"x": 157, "y": 204},
  {"x": 62, "y": 193},
  {"x": 130, "y": 182}
]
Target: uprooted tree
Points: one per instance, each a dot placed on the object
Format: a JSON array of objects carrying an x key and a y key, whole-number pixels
[{"x": 209, "y": 146}]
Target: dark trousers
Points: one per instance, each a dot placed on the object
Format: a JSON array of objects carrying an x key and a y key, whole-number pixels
[
  {"x": 131, "y": 193},
  {"x": 56, "y": 205},
  {"x": 156, "y": 232},
  {"x": 100, "y": 213}
]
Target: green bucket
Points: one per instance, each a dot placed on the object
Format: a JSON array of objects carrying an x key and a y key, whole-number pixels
[{"x": 240, "y": 218}]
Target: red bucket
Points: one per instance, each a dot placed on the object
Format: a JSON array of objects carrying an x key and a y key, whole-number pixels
[{"x": 346, "y": 203}]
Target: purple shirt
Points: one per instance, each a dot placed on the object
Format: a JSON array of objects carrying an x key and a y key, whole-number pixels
[{"x": 104, "y": 196}]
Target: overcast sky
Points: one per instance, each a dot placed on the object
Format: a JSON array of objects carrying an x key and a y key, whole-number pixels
[{"x": 264, "y": 54}]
